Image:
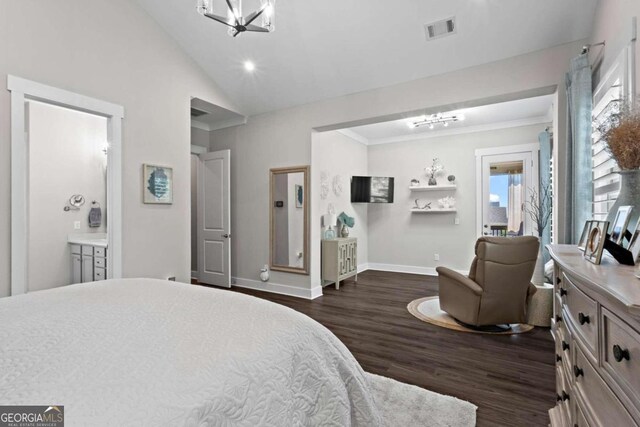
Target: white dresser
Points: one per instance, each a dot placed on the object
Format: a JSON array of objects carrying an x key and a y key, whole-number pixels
[
  {"x": 339, "y": 260},
  {"x": 596, "y": 328}
]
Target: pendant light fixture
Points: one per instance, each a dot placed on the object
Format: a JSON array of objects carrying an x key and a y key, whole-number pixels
[{"x": 259, "y": 21}]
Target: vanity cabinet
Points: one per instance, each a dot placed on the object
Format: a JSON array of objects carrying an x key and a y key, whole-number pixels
[
  {"x": 339, "y": 260},
  {"x": 88, "y": 263},
  {"x": 596, "y": 328}
]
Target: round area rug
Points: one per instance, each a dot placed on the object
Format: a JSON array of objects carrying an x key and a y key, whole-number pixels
[{"x": 428, "y": 310}]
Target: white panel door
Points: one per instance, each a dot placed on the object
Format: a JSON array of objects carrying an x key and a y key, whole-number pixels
[{"x": 214, "y": 219}]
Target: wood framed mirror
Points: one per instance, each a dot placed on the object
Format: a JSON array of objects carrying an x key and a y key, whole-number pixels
[{"x": 289, "y": 219}]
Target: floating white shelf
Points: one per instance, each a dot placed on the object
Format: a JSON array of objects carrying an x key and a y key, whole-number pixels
[
  {"x": 433, "y": 187},
  {"x": 451, "y": 210}
]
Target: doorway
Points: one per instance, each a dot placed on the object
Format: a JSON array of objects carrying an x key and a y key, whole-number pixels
[
  {"x": 210, "y": 195},
  {"x": 24, "y": 92},
  {"x": 506, "y": 178}
]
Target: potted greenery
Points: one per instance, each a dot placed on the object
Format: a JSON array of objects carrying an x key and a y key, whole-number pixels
[{"x": 621, "y": 133}]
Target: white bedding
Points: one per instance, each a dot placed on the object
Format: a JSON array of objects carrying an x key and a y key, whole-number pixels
[{"x": 152, "y": 352}]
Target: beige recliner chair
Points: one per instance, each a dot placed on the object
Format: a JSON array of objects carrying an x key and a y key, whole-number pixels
[{"x": 499, "y": 282}]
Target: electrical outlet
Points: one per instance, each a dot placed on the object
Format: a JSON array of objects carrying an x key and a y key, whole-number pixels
[
  {"x": 76, "y": 225},
  {"x": 436, "y": 257},
  {"x": 457, "y": 221}
]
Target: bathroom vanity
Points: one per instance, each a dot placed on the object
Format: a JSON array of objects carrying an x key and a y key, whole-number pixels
[{"x": 88, "y": 257}]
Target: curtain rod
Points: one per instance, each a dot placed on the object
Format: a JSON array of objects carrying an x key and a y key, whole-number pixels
[{"x": 587, "y": 47}]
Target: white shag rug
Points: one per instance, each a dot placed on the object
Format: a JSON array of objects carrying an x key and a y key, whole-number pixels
[{"x": 408, "y": 406}]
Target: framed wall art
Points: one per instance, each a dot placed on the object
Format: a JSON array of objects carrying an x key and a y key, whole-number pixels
[{"x": 157, "y": 184}]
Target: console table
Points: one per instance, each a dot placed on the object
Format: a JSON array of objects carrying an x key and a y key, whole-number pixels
[
  {"x": 339, "y": 260},
  {"x": 596, "y": 328}
]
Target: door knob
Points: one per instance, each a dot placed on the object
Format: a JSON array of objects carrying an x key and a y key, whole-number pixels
[{"x": 226, "y": 236}]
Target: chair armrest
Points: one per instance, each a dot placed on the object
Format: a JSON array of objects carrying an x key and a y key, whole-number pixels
[
  {"x": 459, "y": 279},
  {"x": 531, "y": 289}
]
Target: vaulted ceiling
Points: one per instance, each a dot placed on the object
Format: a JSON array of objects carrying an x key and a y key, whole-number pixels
[{"x": 323, "y": 49}]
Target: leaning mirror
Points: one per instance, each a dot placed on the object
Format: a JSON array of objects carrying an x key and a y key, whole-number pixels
[{"x": 289, "y": 213}]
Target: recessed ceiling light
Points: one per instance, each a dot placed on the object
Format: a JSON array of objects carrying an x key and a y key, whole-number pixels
[{"x": 249, "y": 66}]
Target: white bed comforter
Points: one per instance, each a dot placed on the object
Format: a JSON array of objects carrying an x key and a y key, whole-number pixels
[{"x": 152, "y": 352}]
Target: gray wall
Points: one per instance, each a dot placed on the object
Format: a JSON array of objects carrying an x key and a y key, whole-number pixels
[
  {"x": 283, "y": 138},
  {"x": 200, "y": 137},
  {"x": 612, "y": 24},
  {"x": 337, "y": 154},
  {"x": 112, "y": 50},
  {"x": 65, "y": 158},
  {"x": 398, "y": 237}
]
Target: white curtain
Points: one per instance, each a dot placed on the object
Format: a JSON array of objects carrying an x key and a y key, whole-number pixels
[{"x": 515, "y": 205}]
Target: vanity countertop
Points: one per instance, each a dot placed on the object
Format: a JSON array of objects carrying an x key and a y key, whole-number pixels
[{"x": 91, "y": 239}]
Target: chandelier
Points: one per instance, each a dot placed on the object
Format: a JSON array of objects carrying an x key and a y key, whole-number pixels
[
  {"x": 259, "y": 21},
  {"x": 435, "y": 119}
]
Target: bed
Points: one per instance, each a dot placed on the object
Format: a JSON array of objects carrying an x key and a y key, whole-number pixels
[{"x": 153, "y": 352}]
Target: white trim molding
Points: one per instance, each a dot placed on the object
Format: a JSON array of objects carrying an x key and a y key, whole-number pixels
[
  {"x": 23, "y": 90},
  {"x": 198, "y": 149},
  {"x": 409, "y": 269},
  {"x": 277, "y": 288}
]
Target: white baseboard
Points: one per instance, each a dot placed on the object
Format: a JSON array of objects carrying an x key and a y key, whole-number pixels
[
  {"x": 277, "y": 288},
  {"x": 410, "y": 269},
  {"x": 194, "y": 274}
]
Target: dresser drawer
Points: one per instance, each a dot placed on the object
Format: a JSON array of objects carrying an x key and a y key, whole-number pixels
[
  {"x": 99, "y": 274},
  {"x": 601, "y": 404},
  {"x": 100, "y": 262},
  {"x": 87, "y": 250},
  {"x": 621, "y": 355},
  {"x": 583, "y": 312},
  {"x": 101, "y": 252},
  {"x": 563, "y": 397},
  {"x": 580, "y": 420},
  {"x": 566, "y": 346}
]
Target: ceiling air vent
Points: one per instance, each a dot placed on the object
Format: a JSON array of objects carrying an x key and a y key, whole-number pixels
[
  {"x": 197, "y": 113},
  {"x": 439, "y": 29}
]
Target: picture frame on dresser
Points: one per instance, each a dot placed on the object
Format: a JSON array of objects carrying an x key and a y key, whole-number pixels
[
  {"x": 596, "y": 237},
  {"x": 634, "y": 244},
  {"x": 620, "y": 224},
  {"x": 583, "y": 237}
]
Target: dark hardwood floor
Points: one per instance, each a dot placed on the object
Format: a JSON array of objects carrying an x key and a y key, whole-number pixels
[{"x": 510, "y": 378}]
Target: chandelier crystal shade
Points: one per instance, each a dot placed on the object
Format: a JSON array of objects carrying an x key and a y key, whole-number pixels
[{"x": 230, "y": 13}]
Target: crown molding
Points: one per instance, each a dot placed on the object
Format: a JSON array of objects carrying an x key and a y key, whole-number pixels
[{"x": 199, "y": 125}]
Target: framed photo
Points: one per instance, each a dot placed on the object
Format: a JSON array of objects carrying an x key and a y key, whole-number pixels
[
  {"x": 595, "y": 241},
  {"x": 619, "y": 226},
  {"x": 157, "y": 184},
  {"x": 634, "y": 244},
  {"x": 299, "y": 194},
  {"x": 583, "y": 237}
]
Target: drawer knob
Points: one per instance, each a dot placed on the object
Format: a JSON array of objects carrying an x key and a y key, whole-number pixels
[
  {"x": 565, "y": 396},
  {"x": 583, "y": 318},
  {"x": 563, "y": 292},
  {"x": 565, "y": 346},
  {"x": 620, "y": 354},
  {"x": 558, "y": 318},
  {"x": 577, "y": 371}
]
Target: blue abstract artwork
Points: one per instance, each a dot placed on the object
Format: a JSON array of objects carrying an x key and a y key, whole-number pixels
[{"x": 158, "y": 182}]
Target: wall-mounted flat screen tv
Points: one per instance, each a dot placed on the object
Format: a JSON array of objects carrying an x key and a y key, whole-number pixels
[{"x": 371, "y": 189}]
